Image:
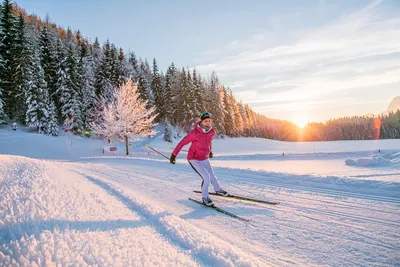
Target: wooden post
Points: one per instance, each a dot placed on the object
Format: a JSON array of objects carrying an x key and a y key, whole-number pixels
[{"x": 126, "y": 145}]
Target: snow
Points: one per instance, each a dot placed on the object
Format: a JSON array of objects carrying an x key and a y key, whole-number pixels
[
  {"x": 65, "y": 202},
  {"x": 391, "y": 159}
]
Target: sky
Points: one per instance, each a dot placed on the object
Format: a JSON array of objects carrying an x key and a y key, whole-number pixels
[{"x": 308, "y": 60}]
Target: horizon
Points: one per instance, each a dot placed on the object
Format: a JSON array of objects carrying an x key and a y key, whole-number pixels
[{"x": 274, "y": 57}]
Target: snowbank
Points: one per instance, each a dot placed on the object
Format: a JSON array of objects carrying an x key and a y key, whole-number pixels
[
  {"x": 50, "y": 216},
  {"x": 391, "y": 159}
]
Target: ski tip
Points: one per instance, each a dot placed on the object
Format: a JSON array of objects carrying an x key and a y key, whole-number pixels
[{"x": 147, "y": 144}]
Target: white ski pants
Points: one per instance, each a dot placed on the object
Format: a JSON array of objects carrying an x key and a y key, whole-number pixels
[{"x": 206, "y": 172}]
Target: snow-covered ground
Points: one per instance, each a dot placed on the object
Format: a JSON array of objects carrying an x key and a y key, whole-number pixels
[{"x": 63, "y": 201}]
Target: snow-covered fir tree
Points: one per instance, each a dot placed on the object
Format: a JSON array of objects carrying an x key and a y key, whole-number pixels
[
  {"x": 214, "y": 104},
  {"x": 22, "y": 75},
  {"x": 182, "y": 102},
  {"x": 48, "y": 63},
  {"x": 190, "y": 93},
  {"x": 144, "y": 84},
  {"x": 169, "y": 132},
  {"x": 7, "y": 55},
  {"x": 103, "y": 74},
  {"x": 125, "y": 70},
  {"x": 229, "y": 123},
  {"x": 133, "y": 67},
  {"x": 158, "y": 92},
  {"x": 237, "y": 116},
  {"x": 170, "y": 90},
  {"x": 37, "y": 98},
  {"x": 87, "y": 89},
  {"x": 69, "y": 95},
  {"x": 197, "y": 93},
  {"x": 61, "y": 77},
  {"x": 115, "y": 67},
  {"x": 52, "y": 122}
]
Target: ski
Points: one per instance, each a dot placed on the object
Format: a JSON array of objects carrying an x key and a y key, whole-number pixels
[
  {"x": 220, "y": 210},
  {"x": 243, "y": 198}
]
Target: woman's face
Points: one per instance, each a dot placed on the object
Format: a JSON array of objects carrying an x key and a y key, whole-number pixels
[{"x": 206, "y": 122}]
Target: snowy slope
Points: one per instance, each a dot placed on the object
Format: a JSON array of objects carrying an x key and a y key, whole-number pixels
[{"x": 83, "y": 207}]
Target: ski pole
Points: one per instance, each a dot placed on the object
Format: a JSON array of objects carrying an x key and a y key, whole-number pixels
[{"x": 157, "y": 151}]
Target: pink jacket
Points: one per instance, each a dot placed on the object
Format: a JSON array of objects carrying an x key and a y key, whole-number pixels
[{"x": 201, "y": 144}]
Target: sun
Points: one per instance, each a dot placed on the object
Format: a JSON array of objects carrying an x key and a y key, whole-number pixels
[{"x": 300, "y": 121}]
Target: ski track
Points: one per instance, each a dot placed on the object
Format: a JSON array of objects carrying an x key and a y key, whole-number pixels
[
  {"x": 327, "y": 192},
  {"x": 163, "y": 222},
  {"x": 328, "y": 213}
]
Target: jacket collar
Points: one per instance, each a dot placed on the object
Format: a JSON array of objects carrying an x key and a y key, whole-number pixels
[{"x": 201, "y": 129}]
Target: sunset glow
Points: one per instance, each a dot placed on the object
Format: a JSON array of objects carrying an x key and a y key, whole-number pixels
[{"x": 300, "y": 120}]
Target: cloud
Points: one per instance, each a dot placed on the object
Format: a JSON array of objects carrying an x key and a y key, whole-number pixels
[{"x": 357, "y": 50}]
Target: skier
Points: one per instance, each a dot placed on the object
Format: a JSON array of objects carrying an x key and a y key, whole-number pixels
[{"x": 200, "y": 150}]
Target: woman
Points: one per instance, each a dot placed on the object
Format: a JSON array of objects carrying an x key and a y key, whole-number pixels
[{"x": 200, "y": 150}]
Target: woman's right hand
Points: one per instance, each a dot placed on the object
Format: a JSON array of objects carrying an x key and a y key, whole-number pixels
[{"x": 172, "y": 159}]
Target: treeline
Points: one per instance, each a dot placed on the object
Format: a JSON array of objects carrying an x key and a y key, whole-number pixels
[
  {"x": 385, "y": 126},
  {"x": 51, "y": 76}
]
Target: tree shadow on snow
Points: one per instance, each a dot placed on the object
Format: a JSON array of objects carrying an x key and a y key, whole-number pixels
[{"x": 18, "y": 230}]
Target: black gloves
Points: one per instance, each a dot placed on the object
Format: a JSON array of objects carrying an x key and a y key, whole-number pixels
[
  {"x": 211, "y": 155},
  {"x": 172, "y": 159}
]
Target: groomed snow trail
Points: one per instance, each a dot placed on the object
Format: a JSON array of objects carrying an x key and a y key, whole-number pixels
[{"x": 311, "y": 226}]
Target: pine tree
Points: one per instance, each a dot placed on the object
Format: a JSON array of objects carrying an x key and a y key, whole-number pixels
[
  {"x": 229, "y": 123},
  {"x": 22, "y": 76},
  {"x": 7, "y": 54},
  {"x": 61, "y": 77},
  {"x": 70, "y": 98},
  {"x": 251, "y": 123},
  {"x": 244, "y": 119},
  {"x": 197, "y": 93},
  {"x": 169, "y": 88},
  {"x": 214, "y": 103},
  {"x": 103, "y": 81},
  {"x": 36, "y": 98},
  {"x": 2, "y": 113},
  {"x": 190, "y": 92},
  {"x": 87, "y": 89},
  {"x": 115, "y": 71},
  {"x": 184, "y": 100},
  {"x": 169, "y": 131},
  {"x": 158, "y": 91},
  {"x": 96, "y": 53},
  {"x": 52, "y": 123},
  {"x": 144, "y": 84},
  {"x": 125, "y": 70},
  {"x": 149, "y": 76},
  {"x": 48, "y": 62},
  {"x": 238, "y": 130},
  {"x": 134, "y": 67}
]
